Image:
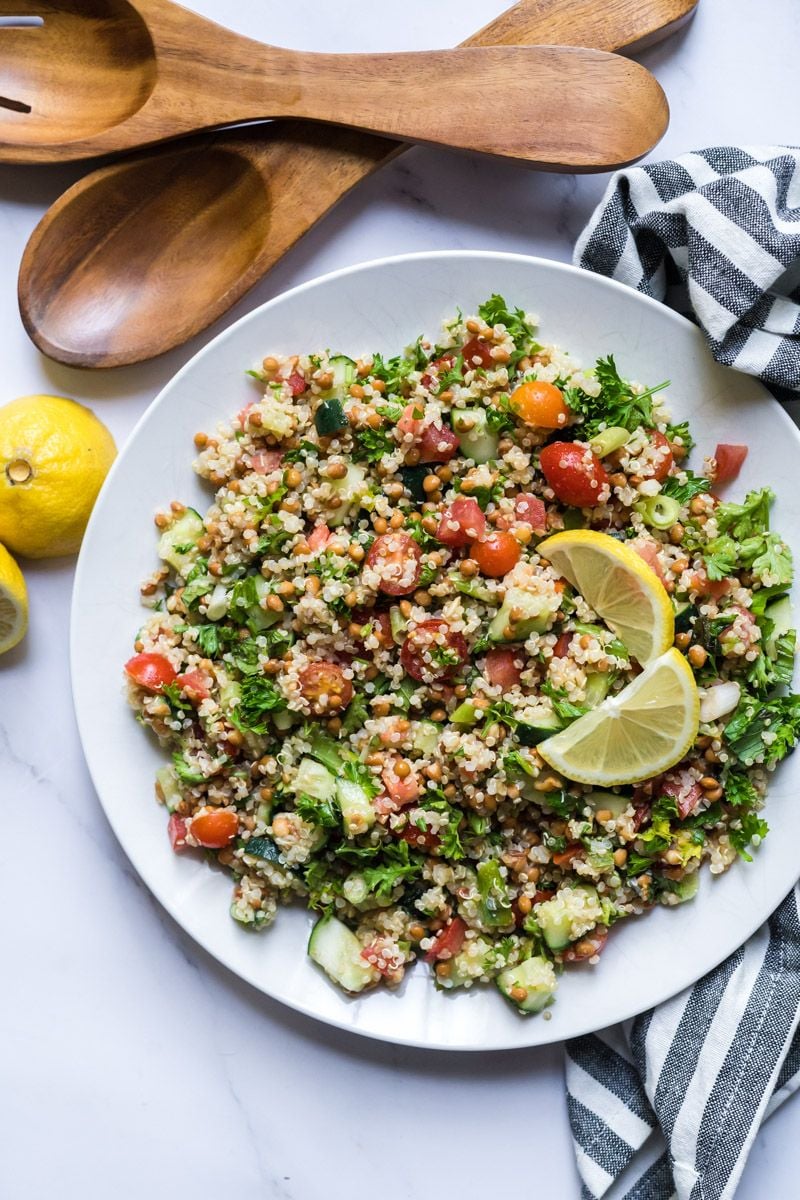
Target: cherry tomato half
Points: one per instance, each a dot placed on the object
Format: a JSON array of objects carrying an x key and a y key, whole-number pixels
[
  {"x": 318, "y": 537},
  {"x": 665, "y": 460},
  {"x": 448, "y": 941},
  {"x": 264, "y": 461},
  {"x": 433, "y": 652},
  {"x": 325, "y": 687},
  {"x": 297, "y": 383},
  {"x": 461, "y": 522},
  {"x": 401, "y": 789},
  {"x": 395, "y": 558},
  {"x": 729, "y": 461},
  {"x": 195, "y": 685},
  {"x": 502, "y": 668},
  {"x": 686, "y": 792},
  {"x": 477, "y": 348},
  {"x": 215, "y": 827},
  {"x": 539, "y": 404},
  {"x": 496, "y": 553},
  {"x": 575, "y": 474},
  {"x": 412, "y": 419},
  {"x": 176, "y": 832},
  {"x": 437, "y": 444},
  {"x": 150, "y": 671},
  {"x": 530, "y": 510}
]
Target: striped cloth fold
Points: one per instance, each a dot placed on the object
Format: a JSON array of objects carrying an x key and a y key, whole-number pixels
[
  {"x": 668, "y": 1104},
  {"x": 715, "y": 233}
]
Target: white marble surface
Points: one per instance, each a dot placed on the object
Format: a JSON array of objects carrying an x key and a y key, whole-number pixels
[{"x": 131, "y": 1064}]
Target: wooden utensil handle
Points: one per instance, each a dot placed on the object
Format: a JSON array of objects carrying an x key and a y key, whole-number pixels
[
  {"x": 547, "y": 105},
  {"x": 614, "y": 25}
]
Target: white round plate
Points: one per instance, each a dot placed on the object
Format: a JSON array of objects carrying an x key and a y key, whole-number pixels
[{"x": 383, "y": 306}]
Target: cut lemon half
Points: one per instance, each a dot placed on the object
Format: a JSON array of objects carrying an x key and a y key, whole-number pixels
[
  {"x": 638, "y": 733},
  {"x": 13, "y": 602},
  {"x": 620, "y": 587}
]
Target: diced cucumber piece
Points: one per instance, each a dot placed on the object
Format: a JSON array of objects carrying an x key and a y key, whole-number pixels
[
  {"x": 686, "y": 888},
  {"x": 343, "y": 370},
  {"x": 329, "y": 418},
  {"x": 475, "y": 438},
  {"x": 312, "y": 779},
  {"x": 412, "y": 481},
  {"x": 568, "y": 915},
  {"x": 325, "y": 750},
  {"x": 465, "y": 714},
  {"x": 780, "y": 613},
  {"x": 358, "y": 814},
  {"x": 683, "y": 612},
  {"x": 275, "y": 417},
  {"x": 474, "y": 588},
  {"x": 167, "y": 781},
  {"x": 530, "y": 733},
  {"x": 201, "y": 585},
  {"x": 600, "y": 854},
  {"x": 573, "y": 518},
  {"x": 612, "y": 801},
  {"x": 177, "y": 545},
  {"x": 283, "y": 719},
  {"x": 495, "y": 910},
  {"x": 229, "y": 695},
  {"x": 264, "y": 848},
  {"x": 218, "y": 603},
  {"x": 426, "y": 737},
  {"x": 337, "y": 950},
  {"x": 531, "y": 614},
  {"x": 536, "y": 978},
  {"x": 351, "y": 490},
  {"x": 398, "y": 624},
  {"x": 598, "y": 684}
]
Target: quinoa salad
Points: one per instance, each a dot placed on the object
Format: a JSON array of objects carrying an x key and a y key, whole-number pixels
[{"x": 353, "y": 657}]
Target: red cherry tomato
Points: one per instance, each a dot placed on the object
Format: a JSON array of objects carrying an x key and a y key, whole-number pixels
[
  {"x": 433, "y": 652},
  {"x": 176, "y": 831},
  {"x": 665, "y": 460},
  {"x": 402, "y": 790},
  {"x": 530, "y": 510},
  {"x": 325, "y": 687},
  {"x": 647, "y": 549},
  {"x": 422, "y": 840},
  {"x": 685, "y": 791},
  {"x": 318, "y": 537},
  {"x": 729, "y": 461},
  {"x": 565, "y": 857},
  {"x": 264, "y": 461},
  {"x": 448, "y": 941},
  {"x": 502, "y": 667},
  {"x": 395, "y": 559},
  {"x": 539, "y": 404},
  {"x": 461, "y": 522},
  {"x": 477, "y": 348},
  {"x": 442, "y": 365},
  {"x": 496, "y": 553},
  {"x": 215, "y": 827},
  {"x": 588, "y": 946},
  {"x": 575, "y": 474},
  {"x": 375, "y": 624},
  {"x": 194, "y": 684},
  {"x": 437, "y": 444},
  {"x": 716, "y": 588},
  {"x": 297, "y": 383},
  {"x": 561, "y": 648},
  {"x": 412, "y": 419},
  {"x": 151, "y": 671}
]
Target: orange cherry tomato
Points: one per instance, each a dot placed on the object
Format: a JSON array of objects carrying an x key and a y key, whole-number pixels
[
  {"x": 496, "y": 554},
  {"x": 326, "y": 688},
  {"x": 215, "y": 827},
  {"x": 540, "y": 404}
]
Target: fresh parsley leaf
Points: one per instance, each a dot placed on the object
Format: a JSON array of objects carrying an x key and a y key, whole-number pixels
[
  {"x": 768, "y": 556},
  {"x": 259, "y": 695},
  {"x": 485, "y": 495},
  {"x": 769, "y": 671},
  {"x": 495, "y": 311},
  {"x": 742, "y": 833},
  {"x": 721, "y": 556},
  {"x": 564, "y": 709},
  {"x": 498, "y": 416},
  {"x": 746, "y": 519},
  {"x": 413, "y": 527},
  {"x": 398, "y": 866},
  {"x": 172, "y": 694},
  {"x": 427, "y": 575},
  {"x": 452, "y": 377},
  {"x": 299, "y": 453},
  {"x": 684, "y": 492},
  {"x": 617, "y": 403},
  {"x": 370, "y": 445},
  {"x": 754, "y": 720},
  {"x": 681, "y": 431},
  {"x": 358, "y": 711},
  {"x": 357, "y": 772},
  {"x": 325, "y": 813}
]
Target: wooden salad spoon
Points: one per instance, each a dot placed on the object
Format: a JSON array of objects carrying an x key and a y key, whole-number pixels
[
  {"x": 100, "y": 76},
  {"x": 141, "y": 255}
]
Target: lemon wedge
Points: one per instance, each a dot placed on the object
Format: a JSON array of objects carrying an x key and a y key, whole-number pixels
[
  {"x": 638, "y": 733},
  {"x": 620, "y": 587},
  {"x": 13, "y": 602}
]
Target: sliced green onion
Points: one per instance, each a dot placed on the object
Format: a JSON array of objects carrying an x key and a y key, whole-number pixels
[
  {"x": 611, "y": 439},
  {"x": 659, "y": 511}
]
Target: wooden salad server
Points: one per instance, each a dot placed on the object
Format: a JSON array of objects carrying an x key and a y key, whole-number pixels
[
  {"x": 100, "y": 76},
  {"x": 141, "y": 255}
]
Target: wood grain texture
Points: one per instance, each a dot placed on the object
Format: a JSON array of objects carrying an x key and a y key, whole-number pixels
[
  {"x": 101, "y": 272},
  {"x": 108, "y": 75}
]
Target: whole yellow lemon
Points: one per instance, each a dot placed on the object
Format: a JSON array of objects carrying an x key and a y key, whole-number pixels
[{"x": 54, "y": 456}]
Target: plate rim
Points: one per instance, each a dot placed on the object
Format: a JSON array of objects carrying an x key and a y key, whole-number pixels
[{"x": 160, "y": 893}]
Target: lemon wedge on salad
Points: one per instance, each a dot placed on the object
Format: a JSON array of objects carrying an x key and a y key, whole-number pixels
[
  {"x": 638, "y": 733},
  {"x": 620, "y": 587}
]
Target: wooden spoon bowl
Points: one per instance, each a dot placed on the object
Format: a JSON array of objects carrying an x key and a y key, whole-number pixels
[{"x": 92, "y": 48}]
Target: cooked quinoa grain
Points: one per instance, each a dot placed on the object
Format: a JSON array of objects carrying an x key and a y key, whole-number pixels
[{"x": 353, "y": 655}]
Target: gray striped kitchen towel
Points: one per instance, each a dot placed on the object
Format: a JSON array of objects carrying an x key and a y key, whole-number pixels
[{"x": 668, "y": 1104}]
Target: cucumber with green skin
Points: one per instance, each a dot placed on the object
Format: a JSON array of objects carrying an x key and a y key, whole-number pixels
[
  {"x": 534, "y": 614},
  {"x": 330, "y": 418},
  {"x": 536, "y": 978},
  {"x": 337, "y": 950},
  {"x": 177, "y": 545},
  {"x": 476, "y": 440}
]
